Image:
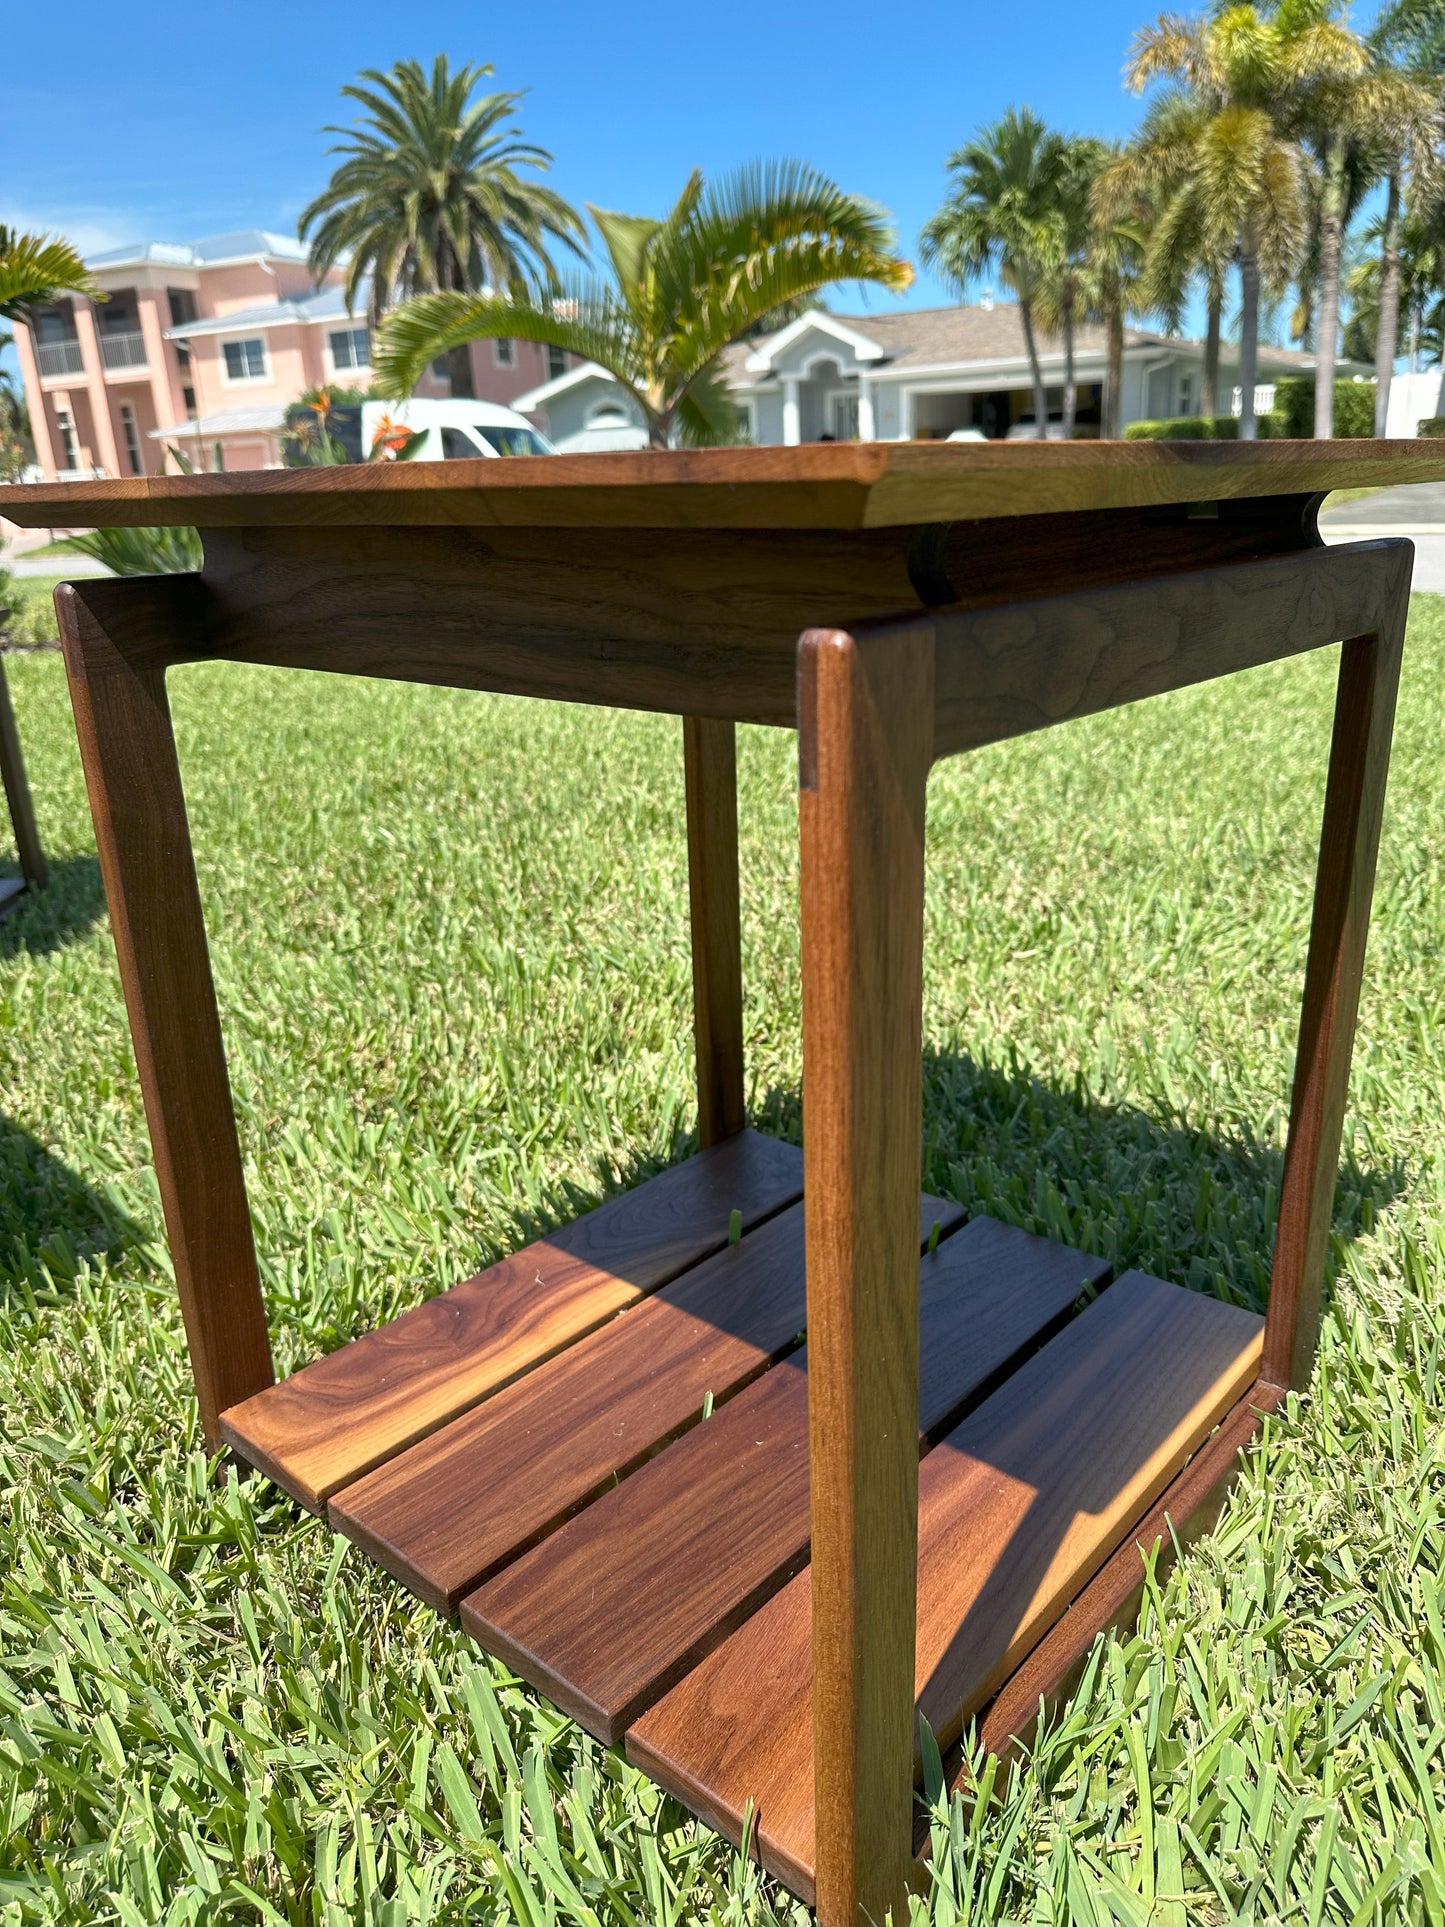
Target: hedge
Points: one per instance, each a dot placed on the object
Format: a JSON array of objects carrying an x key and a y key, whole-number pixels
[
  {"x": 1294, "y": 399},
  {"x": 1433, "y": 427},
  {"x": 1201, "y": 428}
]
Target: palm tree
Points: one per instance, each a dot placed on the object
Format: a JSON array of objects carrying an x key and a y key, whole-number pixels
[
  {"x": 1410, "y": 37},
  {"x": 35, "y": 269},
  {"x": 1361, "y": 116},
  {"x": 1064, "y": 295},
  {"x": 683, "y": 289},
  {"x": 1232, "y": 177},
  {"x": 429, "y": 196},
  {"x": 1002, "y": 217},
  {"x": 1120, "y": 225}
]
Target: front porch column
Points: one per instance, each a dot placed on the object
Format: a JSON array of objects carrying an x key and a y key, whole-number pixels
[
  {"x": 104, "y": 452},
  {"x": 866, "y": 430},
  {"x": 792, "y": 414}
]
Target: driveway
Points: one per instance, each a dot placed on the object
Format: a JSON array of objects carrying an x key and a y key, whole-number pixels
[{"x": 1417, "y": 511}]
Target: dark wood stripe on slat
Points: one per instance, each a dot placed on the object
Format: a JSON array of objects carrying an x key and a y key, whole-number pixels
[
  {"x": 452, "y": 1510},
  {"x": 1018, "y": 1508},
  {"x": 611, "y": 1610},
  {"x": 338, "y": 1417}
]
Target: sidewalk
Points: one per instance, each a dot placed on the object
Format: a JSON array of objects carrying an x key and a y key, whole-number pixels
[{"x": 1417, "y": 512}]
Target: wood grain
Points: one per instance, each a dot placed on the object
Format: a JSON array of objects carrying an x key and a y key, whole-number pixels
[
  {"x": 840, "y": 485},
  {"x": 1189, "y": 1508},
  {"x": 610, "y": 1611},
  {"x": 143, "y": 839},
  {"x": 17, "y": 793},
  {"x": 336, "y": 1418},
  {"x": 711, "y": 784},
  {"x": 1018, "y": 1508},
  {"x": 452, "y": 1510},
  {"x": 865, "y": 738},
  {"x": 1349, "y": 841},
  {"x": 1005, "y": 672}
]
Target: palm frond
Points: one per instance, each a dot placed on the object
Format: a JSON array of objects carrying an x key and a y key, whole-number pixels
[
  {"x": 590, "y": 323},
  {"x": 35, "y": 268}
]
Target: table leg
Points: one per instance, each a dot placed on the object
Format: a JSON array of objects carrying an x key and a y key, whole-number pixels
[
  {"x": 17, "y": 793},
  {"x": 136, "y": 799},
  {"x": 865, "y": 709},
  {"x": 1349, "y": 840},
  {"x": 710, "y": 774}
]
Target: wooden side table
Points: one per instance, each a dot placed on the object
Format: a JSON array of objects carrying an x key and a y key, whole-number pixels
[
  {"x": 33, "y": 874},
  {"x": 757, "y": 1604}
]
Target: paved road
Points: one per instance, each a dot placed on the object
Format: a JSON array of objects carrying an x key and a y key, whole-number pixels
[
  {"x": 66, "y": 565},
  {"x": 1417, "y": 511}
]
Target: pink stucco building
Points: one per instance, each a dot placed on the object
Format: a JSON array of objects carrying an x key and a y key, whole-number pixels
[{"x": 207, "y": 343}]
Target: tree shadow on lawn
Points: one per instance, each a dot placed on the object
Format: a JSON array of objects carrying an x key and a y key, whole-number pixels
[
  {"x": 71, "y": 903},
  {"x": 51, "y": 1221}
]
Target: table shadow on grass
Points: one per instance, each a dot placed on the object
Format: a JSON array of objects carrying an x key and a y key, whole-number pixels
[
  {"x": 69, "y": 906},
  {"x": 52, "y": 1222},
  {"x": 1133, "y": 1186}
]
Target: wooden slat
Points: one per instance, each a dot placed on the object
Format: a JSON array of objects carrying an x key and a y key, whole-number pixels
[
  {"x": 820, "y": 485},
  {"x": 1018, "y": 1508},
  {"x": 610, "y": 1611},
  {"x": 449, "y": 1512},
  {"x": 335, "y": 1419},
  {"x": 1188, "y": 1508}
]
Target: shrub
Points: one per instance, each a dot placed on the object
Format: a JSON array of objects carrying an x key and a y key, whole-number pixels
[
  {"x": 1294, "y": 399},
  {"x": 1433, "y": 427},
  {"x": 142, "y": 551},
  {"x": 1200, "y": 428}
]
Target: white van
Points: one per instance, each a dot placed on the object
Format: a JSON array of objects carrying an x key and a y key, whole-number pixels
[{"x": 456, "y": 431}]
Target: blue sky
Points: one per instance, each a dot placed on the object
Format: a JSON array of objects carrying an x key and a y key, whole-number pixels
[{"x": 162, "y": 121}]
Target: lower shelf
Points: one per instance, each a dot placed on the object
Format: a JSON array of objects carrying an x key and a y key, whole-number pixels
[{"x": 597, "y": 1450}]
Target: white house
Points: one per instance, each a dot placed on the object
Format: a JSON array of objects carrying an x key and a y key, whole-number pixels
[{"x": 917, "y": 375}]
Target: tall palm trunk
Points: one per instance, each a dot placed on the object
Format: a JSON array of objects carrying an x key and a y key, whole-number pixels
[
  {"x": 1041, "y": 400},
  {"x": 1387, "y": 331},
  {"x": 1209, "y": 380},
  {"x": 451, "y": 278},
  {"x": 1248, "y": 338},
  {"x": 1327, "y": 327},
  {"x": 1071, "y": 386},
  {"x": 1113, "y": 370}
]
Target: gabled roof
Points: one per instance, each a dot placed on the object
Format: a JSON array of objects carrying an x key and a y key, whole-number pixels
[
  {"x": 559, "y": 385},
  {"x": 912, "y": 340},
  {"x": 816, "y": 321},
  {"x": 244, "y": 244}
]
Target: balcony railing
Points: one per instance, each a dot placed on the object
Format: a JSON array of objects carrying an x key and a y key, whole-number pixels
[
  {"x": 123, "y": 350},
  {"x": 59, "y": 358}
]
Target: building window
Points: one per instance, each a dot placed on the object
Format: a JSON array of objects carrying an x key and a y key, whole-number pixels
[
  {"x": 65, "y": 427},
  {"x": 441, "y": 368},
  {"x": 132, "y": 439},
  {"x": 504, "y": 351},
  {"x": 188, "y": 396},
  {"x": 351, "y": 348},
  {"x": 246, "y": 360},
  {"x": 556, "y": 363},
  {"x": 1186, "y": 394},
  {"x": 745, "y": 422},
  {"x": 182, "y": 305},
  {"x": 845, "y": 418}
]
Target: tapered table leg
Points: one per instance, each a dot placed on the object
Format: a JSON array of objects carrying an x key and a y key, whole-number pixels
[
  {"x": 710, "y": 766},
  {"x": 1349, "y": 842},
  {"x": 865, "y": 706},
  {"x": 17, "y": 793},
  {"x": 118, "y": 691}
]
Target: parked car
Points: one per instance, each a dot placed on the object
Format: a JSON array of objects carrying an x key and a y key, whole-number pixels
[
  {"x": 968, "y": 435},
  {"x": 456, "y": 431},
  {"x": 1026, "y": 430}
]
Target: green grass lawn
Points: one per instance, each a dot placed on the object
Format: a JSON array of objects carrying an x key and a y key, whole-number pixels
[{"x": 450, "y": 947}]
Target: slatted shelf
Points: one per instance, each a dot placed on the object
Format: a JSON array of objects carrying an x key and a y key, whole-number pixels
[
  {"x": 598, "y": 1451},
  {"x": 456, "y": 1507},
  {"x": 614, "y": 1608},
  {"x": 337, "y": 1418},
  {"x": 1018, "y": 1508}
]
